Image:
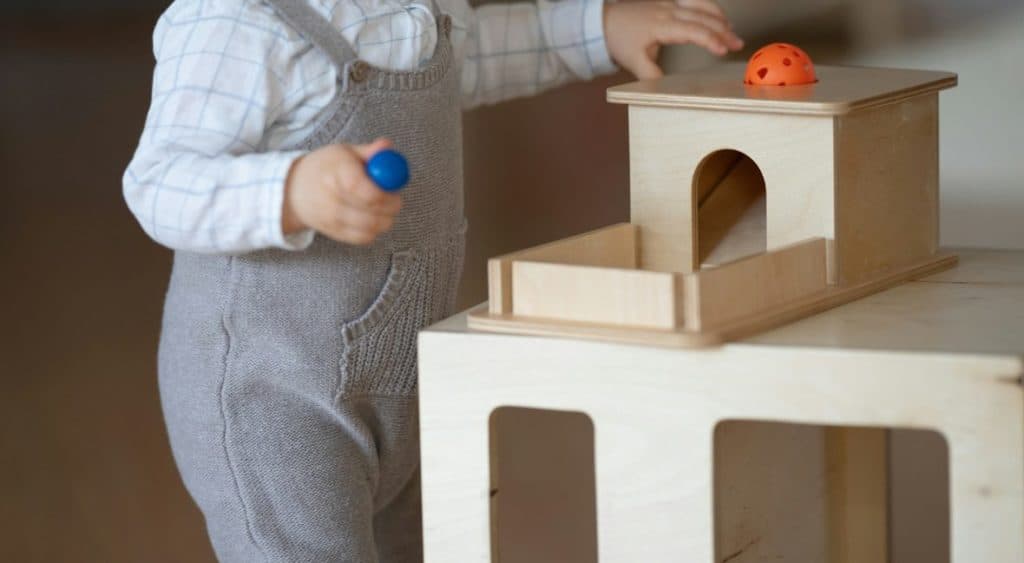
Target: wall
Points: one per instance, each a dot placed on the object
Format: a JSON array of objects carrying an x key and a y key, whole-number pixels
[
  {"x": 85, "y": 470},
  {"x": 981, "y": 126}
]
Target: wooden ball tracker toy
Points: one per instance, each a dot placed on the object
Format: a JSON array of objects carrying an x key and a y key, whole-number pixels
[{"x": 760, "y": 194}]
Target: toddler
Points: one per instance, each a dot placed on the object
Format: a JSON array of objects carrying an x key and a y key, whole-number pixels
[{"x": 287, "y": 358}]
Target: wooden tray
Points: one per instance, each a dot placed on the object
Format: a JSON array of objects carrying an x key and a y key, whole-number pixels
[{"x": 592, "y": 286}]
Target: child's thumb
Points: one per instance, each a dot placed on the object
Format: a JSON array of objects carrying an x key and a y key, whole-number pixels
[
  {"x": 366, "y": 151},
  {"x": 645, "y": 68}
]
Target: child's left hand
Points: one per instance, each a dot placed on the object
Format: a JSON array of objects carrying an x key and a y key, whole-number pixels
[{"x": 636, "y": 30}]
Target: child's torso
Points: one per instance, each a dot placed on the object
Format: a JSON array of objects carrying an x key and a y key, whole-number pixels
[
  {"x": 388, "y": 34},
  {"x": 315, "y": 302}
]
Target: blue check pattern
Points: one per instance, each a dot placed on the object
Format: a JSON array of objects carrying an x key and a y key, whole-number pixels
[{"x": 233, "y": 84}]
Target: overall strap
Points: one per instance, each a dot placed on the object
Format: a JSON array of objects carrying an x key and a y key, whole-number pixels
[
  {"x": 321, "y": 32},
  {"x": 435, "y": 9},
  {"x": 316, "y": 29}
]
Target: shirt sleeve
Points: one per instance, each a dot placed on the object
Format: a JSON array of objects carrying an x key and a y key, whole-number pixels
[
  {"x": 520, "y": 49},
  {"x": 201, "y": 178}
]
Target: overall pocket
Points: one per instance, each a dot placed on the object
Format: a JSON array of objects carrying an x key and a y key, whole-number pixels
[
  {"x": 379, "y": 356},
  {"x": 383, "y": 305}
]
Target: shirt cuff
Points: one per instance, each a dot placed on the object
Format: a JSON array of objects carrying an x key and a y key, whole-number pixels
[
  {"x": 593, "y": 38},
  {"x": 275, "y": 208}
]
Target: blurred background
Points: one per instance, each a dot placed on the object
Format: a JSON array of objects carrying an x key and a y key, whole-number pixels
[{"x": 85, "y": 469}]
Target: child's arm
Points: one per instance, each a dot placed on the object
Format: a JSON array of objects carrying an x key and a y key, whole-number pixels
[
  {"x": 520, "y": 49},
  {"x": 203, "y": 178}
]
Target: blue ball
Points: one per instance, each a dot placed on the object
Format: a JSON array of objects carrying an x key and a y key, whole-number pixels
[{"x": 389, "y": 170}]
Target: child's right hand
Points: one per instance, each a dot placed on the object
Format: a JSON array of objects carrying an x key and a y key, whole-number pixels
[
  {"x": 328, "y": 191},
  {"x": 635, "y": 31}
]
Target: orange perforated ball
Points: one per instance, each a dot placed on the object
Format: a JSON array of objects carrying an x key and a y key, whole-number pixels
[{"x": 780, "y": 64}]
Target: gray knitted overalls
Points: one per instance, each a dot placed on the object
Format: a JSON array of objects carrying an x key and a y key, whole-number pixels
[{"x": 288, "y": 379}]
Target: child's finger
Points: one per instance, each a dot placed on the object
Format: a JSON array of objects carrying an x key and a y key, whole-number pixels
[
  {"x": 724, "y": 34},
  {"x": 679, "y": 32},
  {"x": 353, "y": 236},
  {"x": 731, "y": 40},
  {"x": 717, "y": 24},
  {"x": 360, "y": 191},
  {"x": 707, "y": 6},
  {"x": 390, "y": 205},
  {"x": 645, "y": 68},
  {"x": 366, "y": 151},
  {"x": 713, "y": 17},
  {"x": 379, "y": 202},
  {"x": 357, "y": 219}
]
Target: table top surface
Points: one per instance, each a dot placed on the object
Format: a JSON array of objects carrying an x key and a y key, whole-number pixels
[{"x": 974, "y": 308}]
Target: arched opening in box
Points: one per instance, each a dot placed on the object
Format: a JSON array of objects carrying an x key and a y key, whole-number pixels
[
  {"x": 543, "y": 486},
  {"x": 731, "y": 215},
  {"x": 802, "y": 492}
]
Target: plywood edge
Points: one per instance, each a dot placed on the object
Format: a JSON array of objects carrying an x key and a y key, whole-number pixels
[
  {"x": 737, "y": 105},
  {"x": 734, "y": 104},
  {"x": 499, "y": 285},
  {"x": 595, "y": 270},
  {"x": 691, "y": 300},
  {"x": 901, "y": 96},
  {"x": 480, "y": 319},
  {"x": 819, "y": 109},
  {"x": 647, "y": 93},
  {"x": 620, "y": 236}
]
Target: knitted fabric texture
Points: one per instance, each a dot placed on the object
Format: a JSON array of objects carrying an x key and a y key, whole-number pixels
[{"x": 288, "y": 379}]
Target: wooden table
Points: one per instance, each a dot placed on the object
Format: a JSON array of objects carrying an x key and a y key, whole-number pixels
[{"x": 945, "y": 353}]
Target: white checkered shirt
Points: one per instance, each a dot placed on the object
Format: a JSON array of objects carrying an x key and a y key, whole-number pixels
[{"x": 233, "y": 84}]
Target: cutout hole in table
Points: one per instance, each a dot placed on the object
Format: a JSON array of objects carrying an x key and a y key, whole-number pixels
[
  {"x": 799, "y": 492},
  {"x": 543, "y": 504}
]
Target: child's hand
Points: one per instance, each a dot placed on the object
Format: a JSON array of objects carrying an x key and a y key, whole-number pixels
[
  {"x": 635, "y": 31},
  {"x": 328, "y": 190}
]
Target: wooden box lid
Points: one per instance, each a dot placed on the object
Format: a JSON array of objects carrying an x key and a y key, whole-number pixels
[{"x": 839, "y": 90}]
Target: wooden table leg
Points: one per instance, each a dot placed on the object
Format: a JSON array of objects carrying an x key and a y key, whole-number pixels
[
  {"x": 856, "y": 461},
  {"x": 986, "y": 474}
]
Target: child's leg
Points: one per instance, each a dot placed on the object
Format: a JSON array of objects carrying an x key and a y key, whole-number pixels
[
  {"x": 397, "y": 523},
  {"x": 398, "y": 526},
  {"x": 285, "y": 474},
  {"x": 289, "y": 389}
]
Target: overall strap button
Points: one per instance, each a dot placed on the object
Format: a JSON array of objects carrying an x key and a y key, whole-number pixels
[{"x": 359, "y": 71}]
